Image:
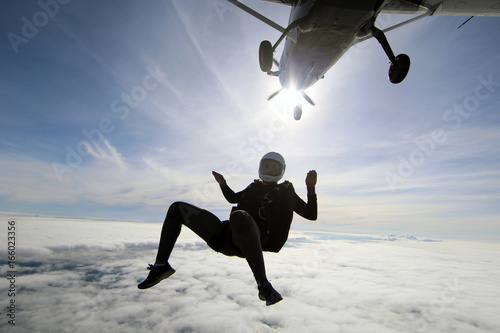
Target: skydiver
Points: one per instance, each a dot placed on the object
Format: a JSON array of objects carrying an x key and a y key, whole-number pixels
[{"x": 260, "y": 222}]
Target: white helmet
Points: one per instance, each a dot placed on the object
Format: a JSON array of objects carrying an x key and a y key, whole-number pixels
[{"x": 275, "y": 157}]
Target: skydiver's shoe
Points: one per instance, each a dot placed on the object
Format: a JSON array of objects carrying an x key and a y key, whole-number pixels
[
  {"x": 268, "y": 293},
  {"x": 156, "y": 274}
]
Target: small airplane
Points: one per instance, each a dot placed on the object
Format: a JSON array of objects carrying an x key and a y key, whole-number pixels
[{"x": 319, "y": 32}]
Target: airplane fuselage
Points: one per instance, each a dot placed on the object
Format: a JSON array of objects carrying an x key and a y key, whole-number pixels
[{"x": 327, "y": 30}]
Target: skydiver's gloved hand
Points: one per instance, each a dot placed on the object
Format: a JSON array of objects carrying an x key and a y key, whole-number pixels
[
  {"x": 219, "y": 178},
  {"x": 311, "y": 179}
]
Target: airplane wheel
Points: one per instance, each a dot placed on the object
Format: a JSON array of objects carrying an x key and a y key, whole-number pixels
[
  {"x": 399, "y": 68},
  {"x": 297, "y": 112},
  {"x": 266, "y": 56}
]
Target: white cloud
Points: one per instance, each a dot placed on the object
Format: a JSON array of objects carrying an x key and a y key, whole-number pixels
[
  {"x": 108, "y": 153},
  {"x": 85, "y": 277}
]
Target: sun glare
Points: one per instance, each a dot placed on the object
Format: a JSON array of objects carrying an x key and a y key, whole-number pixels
[
  {"x": 287, "y": 99},
  {"x": 291, "y": 96},
  {"x": 291, "y": 101}
]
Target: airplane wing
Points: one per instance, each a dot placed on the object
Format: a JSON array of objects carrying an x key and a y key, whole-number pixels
[{"x": 448, "y": 7}]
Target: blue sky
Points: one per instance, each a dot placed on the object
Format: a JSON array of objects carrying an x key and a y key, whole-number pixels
[{"x": 117, "y": 109}]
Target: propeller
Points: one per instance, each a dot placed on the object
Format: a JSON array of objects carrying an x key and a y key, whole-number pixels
[
  {"x": 307, "y": 98},
  {"x": 274, "y": 94},
  {"x": 303, "y": 94}
]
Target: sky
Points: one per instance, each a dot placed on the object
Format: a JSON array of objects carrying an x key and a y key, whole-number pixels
[
  {"x": 115, "y": 110},
  {"x": 84, "y": 278}
]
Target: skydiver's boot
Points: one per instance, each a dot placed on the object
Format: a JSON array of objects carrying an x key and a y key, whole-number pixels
[
  {"x": 156, "y": 274},
  {"x": 268, "y": 293}
]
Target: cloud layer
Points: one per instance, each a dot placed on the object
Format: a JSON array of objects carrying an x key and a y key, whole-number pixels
[{"x": 80, "y": 276}]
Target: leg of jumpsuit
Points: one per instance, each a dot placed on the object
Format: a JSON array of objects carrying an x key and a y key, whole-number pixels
[
  {"x": 202, "y": 222},
  {"x": 246, "y": 235}
]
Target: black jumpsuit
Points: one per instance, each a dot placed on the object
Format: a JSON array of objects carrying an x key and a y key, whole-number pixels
[{"x": 271, "y": 207}]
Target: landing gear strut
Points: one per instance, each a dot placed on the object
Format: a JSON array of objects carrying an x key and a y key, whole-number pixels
[
  {"x": 400, "y": 65},
  {"x": 266, "y": 49}
]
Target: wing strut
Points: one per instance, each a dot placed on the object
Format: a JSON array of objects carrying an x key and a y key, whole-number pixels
[
  {"x": 257, "y": 15},
  {"x": 429, "y": 12}
]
